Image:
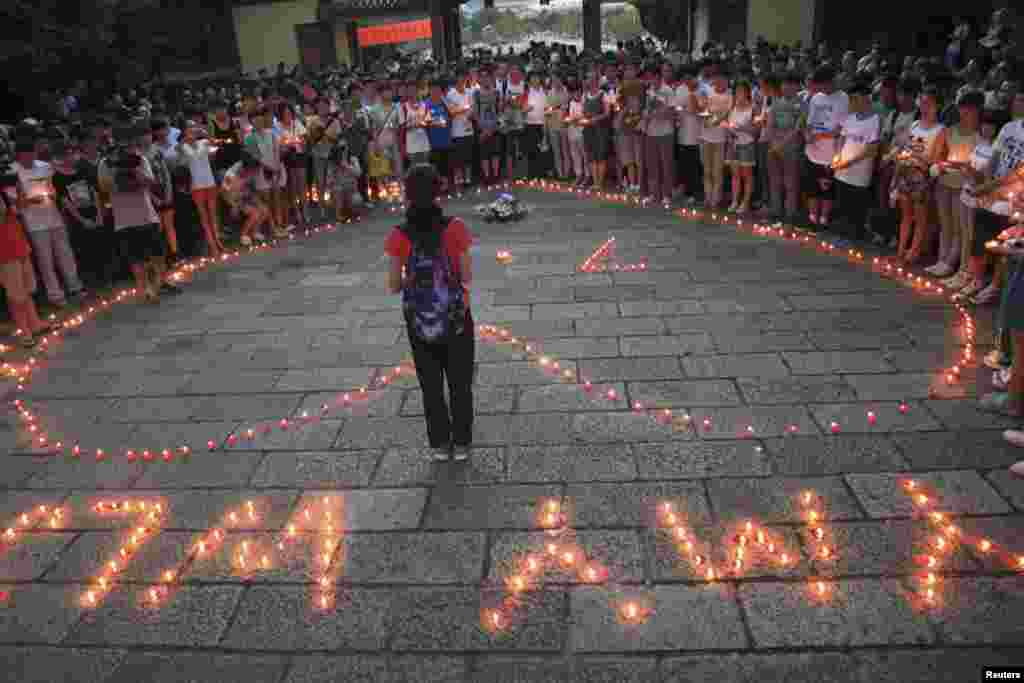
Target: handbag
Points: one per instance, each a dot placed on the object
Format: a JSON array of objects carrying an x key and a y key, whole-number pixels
[{"x": 378, "y": 165}]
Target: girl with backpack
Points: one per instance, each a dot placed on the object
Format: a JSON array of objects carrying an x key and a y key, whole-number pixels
[{"x": 432, "y": 268}]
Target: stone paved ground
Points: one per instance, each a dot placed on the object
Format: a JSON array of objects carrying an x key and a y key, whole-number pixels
[{"x": 737, "y": 329}]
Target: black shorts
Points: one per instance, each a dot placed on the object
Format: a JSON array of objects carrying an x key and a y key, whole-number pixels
[
  {"x": 462, "y": 150},
  {"x": 818, "y": 181},
  {"x": 140, "y": 243},
  {"x": 441, "y": 159},
  {"x": 490, "y": 147},
  {"x": 986, "y": 226}
]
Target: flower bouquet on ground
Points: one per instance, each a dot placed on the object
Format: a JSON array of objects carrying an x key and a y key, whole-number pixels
[{"x": 503, "y": 209}]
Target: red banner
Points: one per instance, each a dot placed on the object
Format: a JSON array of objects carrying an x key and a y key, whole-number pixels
[{"x": 401, "y": 32}]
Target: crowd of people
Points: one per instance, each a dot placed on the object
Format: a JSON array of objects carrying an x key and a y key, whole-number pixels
[{"x": 921, "y": 155}]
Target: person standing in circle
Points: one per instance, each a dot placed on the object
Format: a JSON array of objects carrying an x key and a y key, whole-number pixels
[{"x": 432, "y": 268}]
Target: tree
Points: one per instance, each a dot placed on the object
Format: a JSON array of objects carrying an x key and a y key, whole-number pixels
[
  {"x": 623, "y": 24},
  {"x": 509, "y": 26}
]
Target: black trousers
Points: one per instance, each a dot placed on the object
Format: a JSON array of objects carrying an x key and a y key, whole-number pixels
[
  {"x": 532, "y": 137},
  {"x": 854, "y": 203},
  {"x": 689, "y": 169},
  {"x": 450, "y": 361}
]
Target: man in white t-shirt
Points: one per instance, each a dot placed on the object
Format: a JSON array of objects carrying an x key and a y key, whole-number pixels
[
  {"x": 460, "y": 104},
  {"x": 688, "y": 130},
  {"x": 854, "y": 165},
  {"x": 826, "y": 112},
  {"x": 45, "y": 224}
]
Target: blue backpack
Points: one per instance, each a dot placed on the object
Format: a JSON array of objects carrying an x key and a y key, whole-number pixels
[{"x": 433, "y": 298}]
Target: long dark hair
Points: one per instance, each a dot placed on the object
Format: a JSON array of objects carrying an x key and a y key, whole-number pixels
[{"x": 424, "y": 218}]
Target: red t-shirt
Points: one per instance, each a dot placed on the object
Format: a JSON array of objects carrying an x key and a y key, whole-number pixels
[
  {"x": 13, "y": 243},
  {"x": 455, "y": 240}
]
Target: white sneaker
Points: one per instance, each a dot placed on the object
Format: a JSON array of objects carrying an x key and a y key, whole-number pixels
[
  {"x": 290, "y": 228},
  {"x": 1016, "y": 437},
  {"x": 259, "y": 237}
]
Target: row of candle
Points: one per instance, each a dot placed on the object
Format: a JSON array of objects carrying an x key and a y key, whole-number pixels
[
  {"x": 945, "y": 538},
  {"x": 559, "y": 553},
  {"x": 149, "y": 516}
]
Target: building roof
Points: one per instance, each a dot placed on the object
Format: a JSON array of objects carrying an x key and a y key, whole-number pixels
[{"x": 361, "y": 8}]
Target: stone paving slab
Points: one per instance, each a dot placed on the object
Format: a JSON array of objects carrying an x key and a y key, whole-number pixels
[
  {"x": 791, "y": 390},
  {"x": 822, "y": 455},
  {"x": 415, "y": 467},
  {"x": 285, "y": 618},
  {"x": 960, "y": 492},
  {"x": 59, "y": 665},
  {"x": 590, "y": 462},
  {"x": 854, "y": 613},
  {"x": 759, "y": 365},
  {"x": 686, "y": 618},
  {"x": 166, "y": 667},
  {"x": 449, "y": 619},
  {"x": 328, "y": 469},
  {"x": 33, "y": 555},
  {"x": 700, "y": 459},
  {"x": 392, "y": 669},
  {"x": 191, "y": 616},
  {"x": 777, "y": 499}
]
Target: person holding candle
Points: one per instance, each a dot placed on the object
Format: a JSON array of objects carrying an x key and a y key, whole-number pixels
[
  {"x": 129, "y": 180},
  {"x": 826, "y": 111},
  {"x": 859, "y": 139},
  {"x": 195, "y": 152},
  {"x": 554, "y": 127},
  {"x": 659, "y": 129},
  {"x": 953, "y": 151},
  {"x": 439, "y": 130},
  {"x": 912, "y": 184},
  {"x": 742, "y": 150},
  {"x": 971, "y": 277},
  {"x": 996, "y": 195},
  {"x": 1011, "y": 317},
  {"x": 577, "y": 148},
  {"x": 323, "y": 130},
  {"x": 628, "y": 135},
  {"x": 430, "y": 265},
  {"x": 47, "y": 229},
  {"x": 513, "y": 117},
  {"x": 486, "y": 114},
  {"x": 17, "y": 276},
  {"x": 715, "y": 107},
  {"x": 263, "y": 144},
  {"x": 533, "y": 136},
  {"x": 596, "y": 128},
  {"x": 412, "y": 118},
  {"x": 293, "y": 152},
  {"x": 688, "y": 127},
  {"x": 785, "y": 149}
]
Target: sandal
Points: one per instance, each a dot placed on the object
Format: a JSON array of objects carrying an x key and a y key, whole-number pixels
[
  {"x": 989, "y": 295},
  {"x": 1000, "y": 403}
]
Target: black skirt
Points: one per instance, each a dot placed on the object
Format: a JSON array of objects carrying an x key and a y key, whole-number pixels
[{"x": 141, "y": 242}]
